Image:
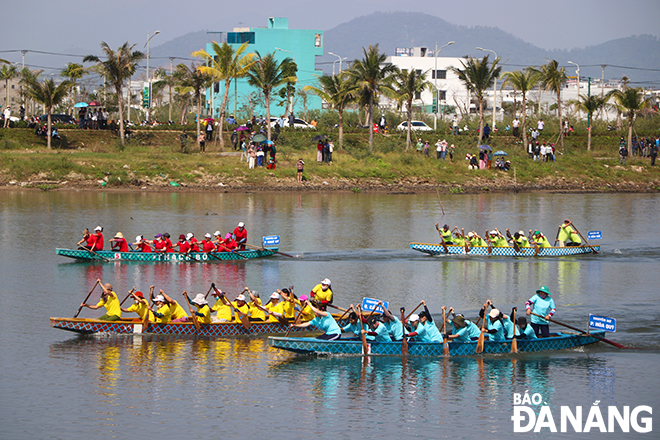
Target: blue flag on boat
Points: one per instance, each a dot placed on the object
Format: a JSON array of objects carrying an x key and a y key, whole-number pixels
[
  {"x": 368, "y": 304},
  {"x": 602, "y": 323},
  {"x": 271, "y": 240},
  {"x": 594, "y": 235}
]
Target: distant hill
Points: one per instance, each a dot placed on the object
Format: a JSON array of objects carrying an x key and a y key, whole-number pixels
[{"x": 407, "y": 29}]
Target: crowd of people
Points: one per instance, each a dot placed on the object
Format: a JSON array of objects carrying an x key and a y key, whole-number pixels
[
  {"x": 567, "y": 235},
  {"x": 229, "y": 242},
  {"x": 641, "y": 147}
]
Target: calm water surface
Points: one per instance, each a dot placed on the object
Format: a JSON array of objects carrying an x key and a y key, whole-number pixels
[{"x": 55, "y": 384}]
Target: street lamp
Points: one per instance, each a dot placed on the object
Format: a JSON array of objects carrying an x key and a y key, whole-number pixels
[
  {"x": 333, "y": 63},
  {"x": 294, "y": 61},
  {"x": 494, "y": 87},
  {"x": 148, "y": 79},
  {"x": 577, "y": 83},
  {"x": 435, "y": 82}
]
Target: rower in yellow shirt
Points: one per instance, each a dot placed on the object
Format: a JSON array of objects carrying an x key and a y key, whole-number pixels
[
  {"x": 273, "y": 308},
  {"x": 221, "y": 307},
  {"x": 289, "y": 302},
  {"x": 139, "y": 306},
  {"x": 322, "y": 293},
  {"x": 203, "y": 312},
  {"x": 567, "y": 235},
  {"x": 178, "y": 312},
  {"x": 539, "y": 239},
  {"x": 256, "y": 314},
  {"x": 108, "y": 300},
  {"x": 307, "y": 312},
  {"x": 162, "y": 313}
]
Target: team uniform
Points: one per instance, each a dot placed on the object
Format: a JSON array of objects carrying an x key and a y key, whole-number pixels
[
  {"x": 329, "y": 326},
  {"x": 112, "y": 309}
]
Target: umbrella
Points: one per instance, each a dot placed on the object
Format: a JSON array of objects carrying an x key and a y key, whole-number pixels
[
  {"x": 259, "y": 138},
  {"x": 81, "y": 104},
  {"x": 485, "y": 147},
  {"x": 242, "y": 128},
  {"x": 500, "y": 153},
  {"x": 267, "y": 142},
  {"x": 319, "y": 137},
  {"x": 95, "y": 104}
]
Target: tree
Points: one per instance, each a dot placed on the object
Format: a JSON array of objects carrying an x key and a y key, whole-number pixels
[
  {"x": 118, "y": 66},
  {"x": 523, "y": 81},
  {"x": 266, "y": 74},
  {"x": 225, "y": 65},
  {"x": 478, "y": 76},
  {"x": 409, "y": 84},
  {"x": 290, "y": 72},
  {"x": 337, "y": 91},
  {"x": 553, "y": 78},
  {"x": 46, "y": 93},
  {"x": 371, "y": 75},
  {"x": 590, "y": 105},
  {"x": 196, "y": 81},
  {"x": 8, "y": 72},
  {"x": 74, "y": 72},
  {"x": 632, "y": 100}
]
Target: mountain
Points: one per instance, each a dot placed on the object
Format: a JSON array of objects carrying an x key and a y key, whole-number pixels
[{"x": 179, "y": 48}]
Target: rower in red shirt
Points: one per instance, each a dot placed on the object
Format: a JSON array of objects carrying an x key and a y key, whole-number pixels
[
  {"x": 219, "y": 242},
  {"x": 184, "y": 246},
  {"x": 207, "y": 244},
  {"x": 159, "y": 243},
  {"x": 88, "y": 241},
  {"x": 168, "y": 243},
  {"x": 142, "y": 244},
  {"x": 230, "y": 244},
  {"x": 241, "y": 235},
  {"x": 193, "y": 242},
  {"x": 119, "y": 243},
  {"x": 98, "y": 231}
]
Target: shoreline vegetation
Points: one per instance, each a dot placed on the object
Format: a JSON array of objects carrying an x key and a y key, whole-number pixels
[{"x": 152, "y": 161}]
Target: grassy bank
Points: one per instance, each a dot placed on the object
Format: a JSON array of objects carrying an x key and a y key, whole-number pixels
[{"x": 153, "y": 159}]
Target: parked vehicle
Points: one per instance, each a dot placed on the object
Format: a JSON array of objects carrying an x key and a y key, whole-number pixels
[
  {"x": 297, "y": 123},
  {"x": 416, "y": 126},
  {"x": 58, "y": 119}
]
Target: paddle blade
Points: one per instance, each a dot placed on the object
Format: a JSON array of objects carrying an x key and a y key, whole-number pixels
[
  {"x": 514, "y": 345},
  {"x": 480, "y": 343},
  {"x": 445, "y": 347}
]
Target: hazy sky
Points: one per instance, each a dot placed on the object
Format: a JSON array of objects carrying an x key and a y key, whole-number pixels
[{"x": 78, "y": 26}]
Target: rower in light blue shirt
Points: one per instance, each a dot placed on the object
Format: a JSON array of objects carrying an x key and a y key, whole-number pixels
[
  {"x": 495, "y": 328},
  {"x": 466, "y": 330},
  {"x": 393, "y": 325},
  {"x": 378, "y": 331}
]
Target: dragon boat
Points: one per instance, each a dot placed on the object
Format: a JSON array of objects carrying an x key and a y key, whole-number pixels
[
  {"x": 438, "y": 249},
  {"x": 136, "y": 327},
  {"x": 201, "y": 257},
  {"x": 557, "y": 341}
]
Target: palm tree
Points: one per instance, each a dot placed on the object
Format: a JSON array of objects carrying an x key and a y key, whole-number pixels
[
  {"x": 337, "y": 91},
  {"x": 523, "y": 81},
  {"x": 118, "y": 66},
  {"x": 371, "y": 76},
  {"x": 74, "y": 72},
  {"x": 196, "y": 81},
  {"x": 478, "y": 76},
  {"x": 8, "y": 72},
  {"x": 290, "y": 69},
  {"x": 266, "y": 74},
  {"x": 225, "y": 65},
  {"x": 409, "y": 84},
  {"x": 590, "y": 105},
  {"x": 553, "y": 78},
  {"x": 46, "y": 93},
  {"x": 632, "y": 100}
]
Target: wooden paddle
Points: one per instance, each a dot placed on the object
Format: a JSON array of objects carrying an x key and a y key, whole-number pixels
[
  {"x": 600, "y": 338},
  {"x": 442, "y": 239},
  {"x": 245, "y": 321},
  {"x": 515, "y": 244},
  {"x": 89, "y": 250},
  {"x": 537, "y": 249},
  {"x": 585, "y": 240},
  {"x": 418, "y": 306},
  {"x": 445, "y": 340},
  {"x": 209, "y": 291},
  {"x": 467, "y": 247},
  {"x": 557, "y": 237},
  {"x": 86, "y": 298},
  {"x": 192, "y": 314},
  {"x": 482, "y": 336},
  {"x": 296, "y": 320},
  {"x": 489, "y": 243},
  {"x": 404, "y": 341},
  {"x": 130, "y": 292},
  {"x": 365, "y": 347},
  {"x": 271, "y": 250},
  {"x": 514, "y": 340}
]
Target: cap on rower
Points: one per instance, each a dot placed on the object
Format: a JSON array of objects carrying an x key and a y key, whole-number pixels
[
  {"x": 414, "y": 317},
  {"x": 182, "y": 237},
  {"x": 200, "y": 300},
  {"x": 207, "y": 235},
  {"x": 138, "y": 294},
  {"x": 98, "y": 228},
  {"x": 326, "y": 282},
  {"x": 241, "y": 225},
  {"x": 240, "y": 297},
  {"x": 217, "y": 234},
  {"x": 543, "y": 289},
  {"x": 459, "y": 321},
  {"x": 494, "y": 313},
  {"x": 189, "y": 235},
  {"x": 275, "y": 295},
  {"x": 159, "y": 298}
]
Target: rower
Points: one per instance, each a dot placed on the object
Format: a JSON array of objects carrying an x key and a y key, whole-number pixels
[
  {"x": 475, "y": 239},
  {"x": 307, "y": 313},
  {"x": 219, "y": 242},
  {"x": 162, "y": 313},
  {"x": 495, "y": 328},
  {"x": 354, "y": 326},
  {"x": 419, "y": 330},
  {"x": 240, "y": 233},
  {"x": 207, "y": 244},
  {"x": 323, "y": 321},
  {"x": 466, "y": 330},
  {"x": 184, "y": 246},
  {"x": 168, "y": 242},
  {"x": 178, "y": 312},
  {"x": 194, "y": 247},
  {"x": 139, "y": 306},
  {"x": 98, "y": 232},
  {"x": 567, "y": 235},
  {"x": 203, "y": 312},
  {"x": 256, "y": 314},
  {"x": 273, "y": 308},
  {"x": 119, "y": 243},
  {"x": 142, "y": 244},
  {"x": 520, "y": 239},
  {"x": 393, "y": 325},
  {"x": 240, "y": 307},
  {"x": 539, "y": 239},
  {"x": 322, "y": 293},
  {"x": 88, "y": 239},
  {"x": 221, "y": 307},
  {"x": 432, "y": 332},
  {"x": 230, "y": 244},
  {"x": 524, "y": 330},
  {"x": 377, "y": 331},
  {"x": 108, "y": 300},
  {"x": 159, "y": 243},
  {"x": 289, "y": 302},
  {"x": 541, "y": 304},
  {"x": 446, "y": 234},
  {"x": 459, "y": 239},
  {"x": 498, "y": 239}
]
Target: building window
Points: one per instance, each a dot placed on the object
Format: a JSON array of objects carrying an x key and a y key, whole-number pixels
[
  {"x": 418, "y": 72},
  {"x": 439, "y": 74},
  {"x": 317, "y": 40},
  {"x": 240, "y": 37},
  {"x": 442, "y": 95},
  {"x": 418, "y": 95}
]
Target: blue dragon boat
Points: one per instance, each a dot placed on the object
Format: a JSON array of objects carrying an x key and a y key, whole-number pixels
[
  {"x": 438, "y": 249},
  {"x": 557, "y": 341},
  {"x": 201, "y": 257}
]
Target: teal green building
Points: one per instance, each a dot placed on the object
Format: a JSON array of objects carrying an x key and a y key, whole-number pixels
[{"x": 301, "y": 45}]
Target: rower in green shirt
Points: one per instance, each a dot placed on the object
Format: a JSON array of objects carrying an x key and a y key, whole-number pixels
[
  {"x": 567, "y": 235},
  {"x": 498, "y": 239},
  {"x": 475, "y": 239},
  {"x": 540, "y": 239}
]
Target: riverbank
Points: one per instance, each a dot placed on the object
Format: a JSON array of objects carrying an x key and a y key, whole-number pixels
[{"x": 153, "y": 161}]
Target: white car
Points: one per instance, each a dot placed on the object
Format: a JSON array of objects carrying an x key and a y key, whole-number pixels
[
  {"x": 416, "y": 126},
  {"x": 297, "y": 123}
]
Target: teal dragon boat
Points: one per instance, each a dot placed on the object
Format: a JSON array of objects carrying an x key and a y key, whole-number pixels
[
  {"x": 557, "y": 341},
  {"x": 438, "y": 249},
  {"x": 202, "y": 257}
]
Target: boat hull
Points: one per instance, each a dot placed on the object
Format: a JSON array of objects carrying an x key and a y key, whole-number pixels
[
  {"x": 201, "y": 257},
  {"x": 437, "y": 249},
  {"x": 315, "y": 346},
  {"x": 135, "y": 327}
]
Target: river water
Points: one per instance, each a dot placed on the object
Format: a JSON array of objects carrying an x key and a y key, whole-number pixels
[{"x": 58, "y": 385}]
